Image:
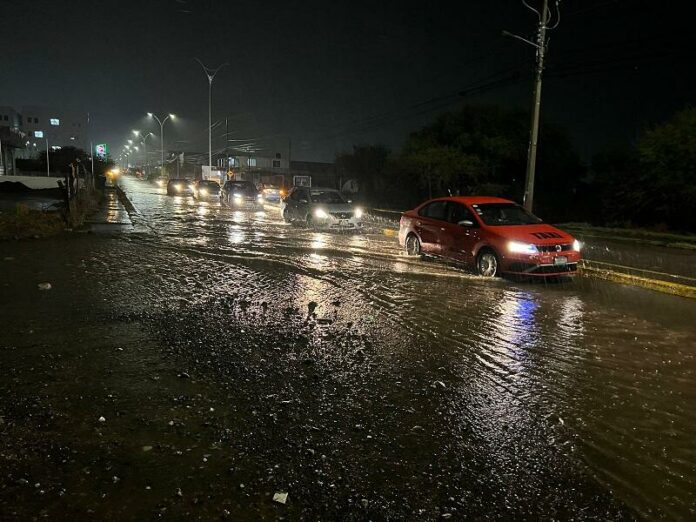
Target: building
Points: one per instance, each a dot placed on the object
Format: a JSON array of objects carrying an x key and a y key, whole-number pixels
[
  {"x": 60, "y": 127},
  {"x": 12, "y": 145}
]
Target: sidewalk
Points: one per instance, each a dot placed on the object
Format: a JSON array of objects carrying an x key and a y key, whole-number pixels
[{"x": 112, "y": 216}]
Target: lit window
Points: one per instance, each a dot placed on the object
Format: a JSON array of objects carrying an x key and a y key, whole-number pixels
[
  {"x": 252, "y": 162},
  {"x": 38, "y": 134},
  {"x": 55, "y": 121}
]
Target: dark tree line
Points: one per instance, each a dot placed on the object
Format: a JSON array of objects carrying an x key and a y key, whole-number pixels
[{"x": 483, "y": 150}]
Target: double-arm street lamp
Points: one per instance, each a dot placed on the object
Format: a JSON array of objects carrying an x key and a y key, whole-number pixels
[
  {"x": 161, "y": 123},
  {"x": 138, "y": 134}
]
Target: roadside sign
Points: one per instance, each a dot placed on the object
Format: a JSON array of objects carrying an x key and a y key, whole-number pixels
[{"x": 101, "y": 150}]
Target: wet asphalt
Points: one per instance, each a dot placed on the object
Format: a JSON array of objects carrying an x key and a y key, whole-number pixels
[{"x": 207, "y": 359}]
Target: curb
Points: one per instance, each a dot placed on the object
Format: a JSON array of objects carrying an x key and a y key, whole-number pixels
[{"x": 666, "y": 287}]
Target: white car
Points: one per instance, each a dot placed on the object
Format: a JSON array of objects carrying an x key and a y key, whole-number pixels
[{"x": 323, "y": 208}]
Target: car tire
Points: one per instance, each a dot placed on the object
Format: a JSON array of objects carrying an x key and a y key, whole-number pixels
[
  {"x": 487, "y": 264},
  {"x": 286, "y": 215},
  {"x": 412, "y": 245}
]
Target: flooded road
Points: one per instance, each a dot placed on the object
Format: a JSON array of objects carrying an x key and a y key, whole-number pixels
[{"x": 232, "y": 356}]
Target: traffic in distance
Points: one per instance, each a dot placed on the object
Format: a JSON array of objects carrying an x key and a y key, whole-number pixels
[{"x": 490, "y": 236}]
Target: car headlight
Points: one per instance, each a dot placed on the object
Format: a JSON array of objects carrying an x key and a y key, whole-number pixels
[
  {"x": 358, "y": 213},
  {"x": 577, "y": 246},
  {"x": 521, "y": 248},
  {"x": 259, "y": 197},
  {"x": 203, "y": 192},
  {"x": 177, "y": 188},
  {"x": 160, "y": 182},
  {"x": 321, "y": 213},
  {"x": 237, "y": 196}
]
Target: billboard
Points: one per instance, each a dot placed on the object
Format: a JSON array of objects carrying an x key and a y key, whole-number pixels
[{"x": 101, "y": 150}]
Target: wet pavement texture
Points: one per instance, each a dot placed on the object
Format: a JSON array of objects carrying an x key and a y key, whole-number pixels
[{"x": 212, "y": 358}]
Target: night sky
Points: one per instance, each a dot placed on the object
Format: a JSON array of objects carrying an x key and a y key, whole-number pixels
[{"x": 330, "y": 74}]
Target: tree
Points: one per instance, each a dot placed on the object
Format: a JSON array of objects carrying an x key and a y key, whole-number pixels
[
  {"x": 667, "y": 163},
  {"x": 482, "y": 149}
]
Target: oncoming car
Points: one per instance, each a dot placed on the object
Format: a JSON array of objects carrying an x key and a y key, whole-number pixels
[
  {"x": 494, "y": 236},
  {"x": 320, "y": 208},
  {"x": 206, "y": 189},
  {"x": 241, "y": 194},
  {"x": 179, "y": 187}
]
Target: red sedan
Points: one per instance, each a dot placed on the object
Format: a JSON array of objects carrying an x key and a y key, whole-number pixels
[{"x": 493, "y": 235}]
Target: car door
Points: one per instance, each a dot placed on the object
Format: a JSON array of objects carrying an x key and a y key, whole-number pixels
[
  {"x": 460, "y": 233},
  {"x": 430, "y": 220},
  {"x": 292, "y": 201},
  {"x": 302, "y": 206}
]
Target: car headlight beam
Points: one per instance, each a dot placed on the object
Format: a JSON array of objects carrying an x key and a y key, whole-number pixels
[
  {"x": 577, "y": 245},
  {"x": 517, "y": 247},
  {"x": 358, "y": 213}
]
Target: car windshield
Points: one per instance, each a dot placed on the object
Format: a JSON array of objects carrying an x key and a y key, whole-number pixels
[
  {"x": 208, "y": 184},
  {"x": 327, "y": 196},
  {"x": 241, "y": 186},
  {"x": 499, "y": 214}
]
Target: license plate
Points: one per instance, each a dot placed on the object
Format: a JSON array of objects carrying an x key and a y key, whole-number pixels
[{"x": 560, "y": 260}]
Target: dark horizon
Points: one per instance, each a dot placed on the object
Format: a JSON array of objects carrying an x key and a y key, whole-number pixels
[{"x": 330, "y": 76}]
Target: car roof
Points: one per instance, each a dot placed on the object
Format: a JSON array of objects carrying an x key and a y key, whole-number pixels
[{"x": 473, "y": 200}]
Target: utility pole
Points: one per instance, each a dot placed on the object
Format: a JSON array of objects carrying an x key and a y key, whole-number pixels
[
  {"x": 48, "y": 161},
  {"x": 541, "y": 45},
  {"x": 210, "y": 74}
]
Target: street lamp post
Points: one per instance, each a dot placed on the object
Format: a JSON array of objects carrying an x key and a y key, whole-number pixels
[
  {"x": 161, "y": 123},
  {"x": 210, "y": 74},
  {"x": 48, "y": 161},
  {"x": 144, "y": 143}
]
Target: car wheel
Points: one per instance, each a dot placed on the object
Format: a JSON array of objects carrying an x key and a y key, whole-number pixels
[
  {"x": 286, "y": 215},
  {"x": 487, "y": 263},
  {"x": 413, "y": 246}
]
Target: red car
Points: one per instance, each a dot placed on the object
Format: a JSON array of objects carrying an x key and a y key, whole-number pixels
[{"x": 495, "y": 236}]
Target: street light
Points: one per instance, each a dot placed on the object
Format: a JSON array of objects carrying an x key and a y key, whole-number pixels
[
  {"x": 210, "y": 73},
  {"x": 161, "y": 123},
  {"x": 144, "y": 144}
]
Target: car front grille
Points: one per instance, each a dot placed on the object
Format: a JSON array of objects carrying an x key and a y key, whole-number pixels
[
  {"x": 552, "y": 248},
  {"x": 342, "y": 215}
]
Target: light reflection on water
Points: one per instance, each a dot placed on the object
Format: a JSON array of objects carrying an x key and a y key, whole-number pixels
[{"x": 552, "y": 365}]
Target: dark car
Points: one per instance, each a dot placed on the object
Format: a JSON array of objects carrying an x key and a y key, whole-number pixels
[
  {"x": 241, "y": 194},
  {"x": 493, "y": 235},
  {"x": 206, "y": 190},
  {"x": 180, "y": 187}
]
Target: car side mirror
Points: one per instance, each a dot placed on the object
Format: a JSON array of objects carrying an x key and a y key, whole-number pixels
[{"x": 466, "y": 223}]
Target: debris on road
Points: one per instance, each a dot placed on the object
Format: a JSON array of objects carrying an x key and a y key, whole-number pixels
[{"x": 280, "y": 497}]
